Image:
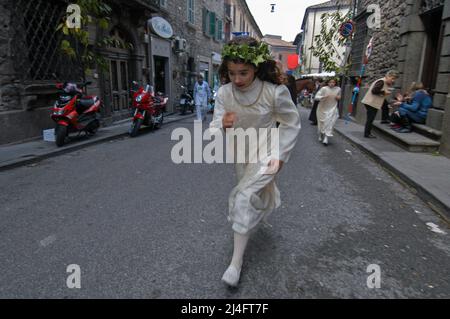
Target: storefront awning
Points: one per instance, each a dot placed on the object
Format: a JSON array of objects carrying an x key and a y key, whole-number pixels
[{"x": 216, "y": 58}]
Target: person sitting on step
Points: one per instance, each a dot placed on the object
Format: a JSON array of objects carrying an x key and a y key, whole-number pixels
[{"x": 414, "y": 112}]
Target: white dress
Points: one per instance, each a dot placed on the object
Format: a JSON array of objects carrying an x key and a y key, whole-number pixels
[
  {"x": 260, "y": 105},
  {"x": 327, "y": 111}
]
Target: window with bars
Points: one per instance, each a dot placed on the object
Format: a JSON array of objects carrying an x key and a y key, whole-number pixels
[
  {"x": 190, "y": 11},
  {"x": 36, "y": 46},
  {"x": 360, "y": 41}
]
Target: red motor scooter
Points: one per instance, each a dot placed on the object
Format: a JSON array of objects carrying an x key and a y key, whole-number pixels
[
  {"x": 75, "y": 112},
  {"x": 149, "y": 108}
]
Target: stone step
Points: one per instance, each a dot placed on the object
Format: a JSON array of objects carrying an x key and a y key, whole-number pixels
[
  {"x": 427, "y": 131},
  {"x": 412, "y": 142},
  {"x": 435, "y": 118}
]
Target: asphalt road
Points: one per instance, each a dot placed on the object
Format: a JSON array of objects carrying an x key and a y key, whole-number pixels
[{"x": 140, "y": 226}]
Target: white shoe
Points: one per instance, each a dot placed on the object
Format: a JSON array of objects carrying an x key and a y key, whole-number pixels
[
  {"x": 320, "y": 137},
  {"x": 325, "y": 140},
  {"x": 231, "y": 276}
]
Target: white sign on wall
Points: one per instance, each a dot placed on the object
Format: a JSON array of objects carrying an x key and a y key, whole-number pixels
[{"x": 161, "y": 27}]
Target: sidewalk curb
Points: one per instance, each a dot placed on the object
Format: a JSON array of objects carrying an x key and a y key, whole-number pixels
[
  {"x": 77, "y": 146},
  {"x": 442, "y": 209}
]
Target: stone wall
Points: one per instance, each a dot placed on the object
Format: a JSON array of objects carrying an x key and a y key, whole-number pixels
[
  {"x": 445, "y": 73},
  {"x": 386, "y": 40},
  {"x": 9, "y": 84},
  {"x": 200, "y": 46}
]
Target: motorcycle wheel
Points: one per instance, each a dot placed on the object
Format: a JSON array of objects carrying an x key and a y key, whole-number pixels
[
  {"x": 134, "y": 129},
  {"x": 61, "y": 133}
]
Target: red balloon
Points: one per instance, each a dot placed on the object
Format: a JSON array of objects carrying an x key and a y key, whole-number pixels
[{"x": 292, "y": 61}]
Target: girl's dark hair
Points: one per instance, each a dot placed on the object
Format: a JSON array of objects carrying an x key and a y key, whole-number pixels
[
  {"x": 336, "y": 80},
  {"x": 265, "y": 71}
]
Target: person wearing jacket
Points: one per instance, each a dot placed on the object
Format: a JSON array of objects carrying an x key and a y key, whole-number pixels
[
  {"x": 375, "y": 99},
  {"x": 416, "y": 111}
]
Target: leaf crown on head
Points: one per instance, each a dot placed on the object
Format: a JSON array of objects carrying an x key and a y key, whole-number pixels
[{"x": 249, "y": 54}]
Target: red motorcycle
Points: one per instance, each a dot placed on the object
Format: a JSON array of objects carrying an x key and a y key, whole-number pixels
[
  {"x": 149, "y": 108},
  {"x": 73, "y": 111}
]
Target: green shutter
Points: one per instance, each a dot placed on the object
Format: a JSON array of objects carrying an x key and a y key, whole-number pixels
[
  {"x": 219, "y": 30},
  {"x": 205, "y": 20},
  {"x": 212, "y": 24}
]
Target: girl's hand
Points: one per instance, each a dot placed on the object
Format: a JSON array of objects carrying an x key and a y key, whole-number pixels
[{"x": 228, "y": 119}]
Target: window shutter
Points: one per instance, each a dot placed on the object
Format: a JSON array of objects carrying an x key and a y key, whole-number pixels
[
  {"x": 219, "y": 30},
  {"x": 205, "y": 20},
  {"x": 190, "y": 9},
  {"x": 212, "y": 24}
]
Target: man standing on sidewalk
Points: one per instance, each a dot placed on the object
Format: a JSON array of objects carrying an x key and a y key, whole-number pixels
[
  {"x": 375, "y": 99},
  {"x": 202, "y": 94}
]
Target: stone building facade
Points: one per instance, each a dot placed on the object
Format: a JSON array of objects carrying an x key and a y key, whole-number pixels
[
  {"x": 199, "y": 26},
  {"x": 31, "y": 63},
  {"x": 241, "y": 20},
  {"x": 29, "y": 56},
  {"x": 414, "y": 38}
]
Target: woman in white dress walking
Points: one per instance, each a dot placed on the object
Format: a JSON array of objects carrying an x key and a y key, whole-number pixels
[{"x": 327, "y": 110}]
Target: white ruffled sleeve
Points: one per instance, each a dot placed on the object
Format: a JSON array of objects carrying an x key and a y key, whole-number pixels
[
  {"x": 320, "y": 94},
  {"x": 219, "y": 111},
  {"x": 286, "y": 113}
]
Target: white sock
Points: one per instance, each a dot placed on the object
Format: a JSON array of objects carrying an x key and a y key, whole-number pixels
[{"x": 240, "y": 243}]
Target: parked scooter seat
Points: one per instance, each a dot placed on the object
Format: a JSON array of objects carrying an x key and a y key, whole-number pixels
[{"x": 84, "y": 104}]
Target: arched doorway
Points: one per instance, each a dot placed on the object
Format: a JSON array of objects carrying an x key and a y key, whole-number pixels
[
  {"x": 119, "y": 62},
  {"x": 434, "y": 29}
]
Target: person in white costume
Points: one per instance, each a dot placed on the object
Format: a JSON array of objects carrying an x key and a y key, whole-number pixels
[
  {"x": 327, "y": 110},
  {"x": 253, "y": 98},
  {"x": 202, "y": 95}
]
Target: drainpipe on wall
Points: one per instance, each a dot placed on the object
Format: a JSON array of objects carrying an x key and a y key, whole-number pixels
[
  {"x": 149, "y": 55},
  {"x": 312, "y": 41}
]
